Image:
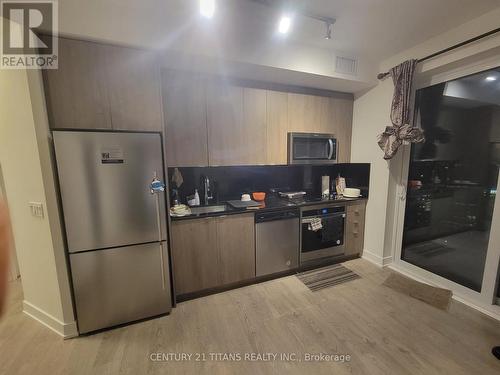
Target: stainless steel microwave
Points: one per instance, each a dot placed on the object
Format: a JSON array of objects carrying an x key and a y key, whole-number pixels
[{"x": 312, "y": 148}]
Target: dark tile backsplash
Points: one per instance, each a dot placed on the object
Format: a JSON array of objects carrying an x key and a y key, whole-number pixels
[{"x": 231, "y": 182}]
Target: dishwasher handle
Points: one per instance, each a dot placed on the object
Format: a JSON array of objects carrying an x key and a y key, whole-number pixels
[{"x": 273, "y": 216}]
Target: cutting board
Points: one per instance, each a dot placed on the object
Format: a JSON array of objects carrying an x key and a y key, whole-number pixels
[{"x": 243, "y": 204}]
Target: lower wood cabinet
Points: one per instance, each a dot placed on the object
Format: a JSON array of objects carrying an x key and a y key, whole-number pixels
[
  {"x": 194, "y": 255},
  {"x": 236, "y": 246},
  {"x": 212, "y": 252},
  {"x": 355, "y": 228}
]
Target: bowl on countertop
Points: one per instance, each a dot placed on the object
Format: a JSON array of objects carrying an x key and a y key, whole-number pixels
[
  {"x": 352, "y": 193},
  {"x": 259, "y": 196}
]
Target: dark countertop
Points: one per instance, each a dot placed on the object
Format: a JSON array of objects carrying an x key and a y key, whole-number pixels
[{"x": 270, "y": 204}]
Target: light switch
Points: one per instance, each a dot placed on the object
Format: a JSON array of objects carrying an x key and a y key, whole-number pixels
[{"x": 36, "y": 209}]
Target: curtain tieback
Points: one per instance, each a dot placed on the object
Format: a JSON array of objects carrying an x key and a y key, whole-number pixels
[{"x": 406, "y": 133}]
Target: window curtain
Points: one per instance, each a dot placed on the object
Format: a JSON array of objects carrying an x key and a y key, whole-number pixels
[{"x": 401, "y": 131}]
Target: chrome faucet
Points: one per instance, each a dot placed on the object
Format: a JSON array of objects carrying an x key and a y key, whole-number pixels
[{"x": 207, "y": 192}]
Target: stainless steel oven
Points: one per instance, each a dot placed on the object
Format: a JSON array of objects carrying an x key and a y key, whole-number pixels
[
  {"x": 312, "y": 148},
  {"x": 322, "y": 232}
]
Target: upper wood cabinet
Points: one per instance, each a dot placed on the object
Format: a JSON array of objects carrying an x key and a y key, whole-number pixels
[
  {"x": 76, "y": 92},
  {"x": 306, "y": 113},
  {"x": 277, "y": 127},
  {"x": 340, "y": 121},
  {"x": 237, "y": 125},
  {"x": 100, "y": 86},
  {"x": 184, "y": 104},
  {"x": 215, "y": 123},
  {"x": 254, "y": 132},
  {"x": 225, "y": 125},
  {"x": 133, "y": 78}
]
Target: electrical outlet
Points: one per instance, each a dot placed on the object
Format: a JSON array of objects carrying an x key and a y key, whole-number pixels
[{"x": 36, "y": 209}]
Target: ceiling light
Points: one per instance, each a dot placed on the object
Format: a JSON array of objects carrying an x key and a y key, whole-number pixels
[
  {"x": 491, "y": 78},
  {"x": 328, "y": 34},
  {"x": 284, "y": 25},
  {"x": 207, "y": 8}
]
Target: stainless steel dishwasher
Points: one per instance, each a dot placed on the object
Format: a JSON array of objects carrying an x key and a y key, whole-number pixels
[{"x": 277, "y": 241}]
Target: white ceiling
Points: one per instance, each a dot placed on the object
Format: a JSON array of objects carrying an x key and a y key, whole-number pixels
[
  {"x": 243, "y": 33},
  {"x": 373, "y": 29},
  {"x": 379, "y": 29}
]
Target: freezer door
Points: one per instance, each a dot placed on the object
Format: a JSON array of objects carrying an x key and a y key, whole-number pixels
[
  {"x": 104, "y": 179},
  {"x": 116, "y": 286}
]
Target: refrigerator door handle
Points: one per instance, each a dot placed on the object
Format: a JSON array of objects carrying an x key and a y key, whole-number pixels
[
  {"x": 162, "y": 260},
  {"x": 157, "y": 187}
]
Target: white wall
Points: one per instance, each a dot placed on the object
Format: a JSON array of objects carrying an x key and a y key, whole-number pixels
[
  {"x": 43, "y": 270},
  {"x": 371, "y": 115}
]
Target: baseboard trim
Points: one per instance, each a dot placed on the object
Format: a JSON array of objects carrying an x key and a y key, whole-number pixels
[
  {"x": 376, "y": 259},
  {"x": 485, "y": 311},
  {"x": 65, "y": 330}
]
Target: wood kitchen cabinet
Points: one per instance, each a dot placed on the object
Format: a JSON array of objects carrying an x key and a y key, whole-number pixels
[
  {"x": 225, "y": 125},
  {"x": 186, "y": 134},
  {"x": 339, "y": 114},
  {"x": 236, "y": 247},
  {"x": 355, "y": 228},
  {"x": 254, "y": 131},
  {"x": 212, "y": 251},
  {"x": 100, "y": 86},
  {"x": 133, "y": 79},
  {"x": 76, "y": 92},
  {"x": 305, "y": 113},
  {"x": 277, "y": 127},
  {"x": 237, "y": 125},
  {"x": 195, "y": 257}
]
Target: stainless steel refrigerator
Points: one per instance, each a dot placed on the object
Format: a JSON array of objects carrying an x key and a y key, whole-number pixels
[{"x": 115, "y": 225}]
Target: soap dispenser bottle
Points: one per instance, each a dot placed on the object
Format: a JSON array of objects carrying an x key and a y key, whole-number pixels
[{"x": 196, "y": 197}]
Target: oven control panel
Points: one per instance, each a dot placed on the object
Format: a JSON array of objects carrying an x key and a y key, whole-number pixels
[{"x": 324, "y": 211}]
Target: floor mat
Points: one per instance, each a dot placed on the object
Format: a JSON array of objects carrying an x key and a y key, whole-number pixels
[
  {"x": 431, "y": 295},
  {"x": 326, "y": 277}
]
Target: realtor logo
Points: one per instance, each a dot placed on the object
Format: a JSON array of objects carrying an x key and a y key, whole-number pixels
[{"x": 23, "y": 23}]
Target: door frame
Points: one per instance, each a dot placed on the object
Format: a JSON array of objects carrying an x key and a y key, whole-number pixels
[
  {"x": 485, "y": 301},
  {"x": 13, "y": 265}
]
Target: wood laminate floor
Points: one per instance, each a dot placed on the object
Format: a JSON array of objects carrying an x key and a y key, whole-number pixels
[{"x": 384, "y": 332}]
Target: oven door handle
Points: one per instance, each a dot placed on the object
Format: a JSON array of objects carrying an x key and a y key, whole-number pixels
[{"x": 325, "y": 216}]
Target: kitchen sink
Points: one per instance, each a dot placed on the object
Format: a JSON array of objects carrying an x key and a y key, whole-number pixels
[{"x": 209, "y": 209}]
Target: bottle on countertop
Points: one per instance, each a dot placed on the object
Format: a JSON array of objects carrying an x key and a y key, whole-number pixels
[
  {"x": 196, "y": 197},
  {"x": 325, "y": 187}
]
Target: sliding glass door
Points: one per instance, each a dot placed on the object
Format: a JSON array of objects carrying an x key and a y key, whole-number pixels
[{"x": 453, "y": 177}]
